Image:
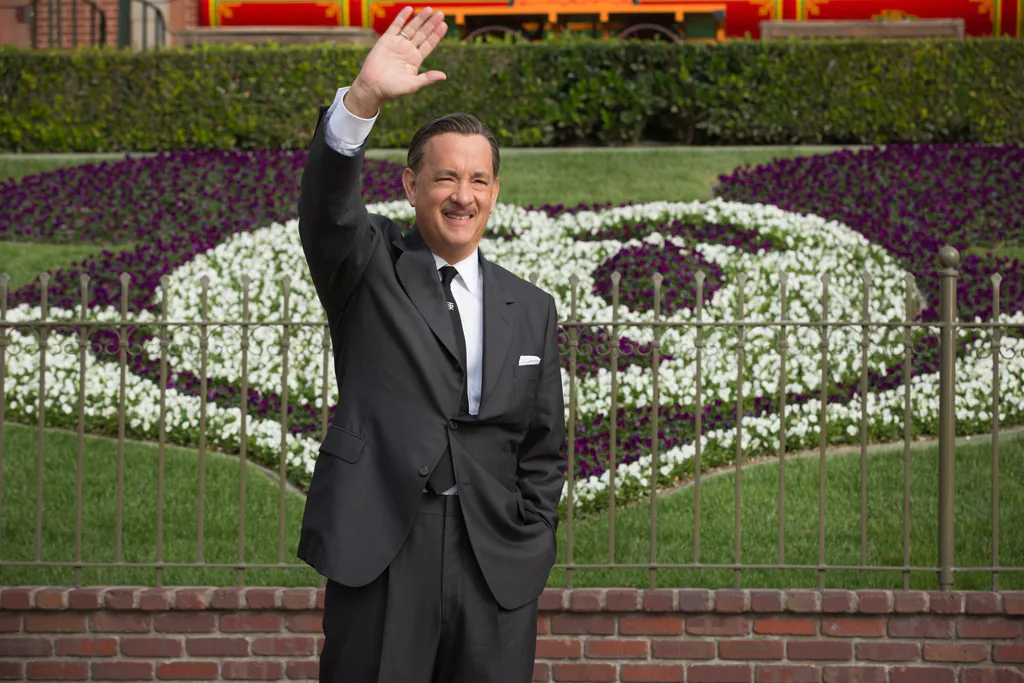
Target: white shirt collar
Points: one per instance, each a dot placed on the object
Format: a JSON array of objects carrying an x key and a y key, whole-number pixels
[{"x": 469, "y": 268}]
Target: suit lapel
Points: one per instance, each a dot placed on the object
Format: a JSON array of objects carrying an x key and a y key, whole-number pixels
[
  {"x": 418, "y": 274},
  {"x": 497, "y": 329}
]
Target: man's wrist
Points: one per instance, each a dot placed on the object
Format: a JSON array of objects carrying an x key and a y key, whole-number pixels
[{"x": 360, "y": 102}]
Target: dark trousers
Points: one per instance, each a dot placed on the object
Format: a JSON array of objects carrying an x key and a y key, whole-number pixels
[{"x": 429, "y": 618}]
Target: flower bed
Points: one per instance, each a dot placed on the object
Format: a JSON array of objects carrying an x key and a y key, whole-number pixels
[{"x": 737, "y": 246}]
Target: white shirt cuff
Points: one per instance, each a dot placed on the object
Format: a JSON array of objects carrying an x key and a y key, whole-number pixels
[{"x": 346, "y": 132}]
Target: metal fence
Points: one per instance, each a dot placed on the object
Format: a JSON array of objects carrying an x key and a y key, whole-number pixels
[{"x": 122, "y": 344}]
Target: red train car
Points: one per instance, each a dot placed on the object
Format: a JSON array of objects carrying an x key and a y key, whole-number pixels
[{"x": 697, "y": 19}]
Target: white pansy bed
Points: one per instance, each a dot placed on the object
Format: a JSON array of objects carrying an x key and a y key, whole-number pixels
[{"x": 557, "y": 250}]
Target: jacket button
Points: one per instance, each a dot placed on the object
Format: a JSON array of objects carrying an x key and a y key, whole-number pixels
[
  {"x": 424, "y": 471},
  {"x": 452, "y": 424}
]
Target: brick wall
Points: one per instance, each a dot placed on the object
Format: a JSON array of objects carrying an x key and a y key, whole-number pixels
[{"x": 693, "y": 635}]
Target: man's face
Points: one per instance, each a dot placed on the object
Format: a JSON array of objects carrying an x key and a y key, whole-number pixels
[{"x": 454, "y": 193}]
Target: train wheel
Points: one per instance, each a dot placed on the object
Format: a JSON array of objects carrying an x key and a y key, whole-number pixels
[
  {"x": 494, "y": 30},
  {"x": 648, "y": 31}
]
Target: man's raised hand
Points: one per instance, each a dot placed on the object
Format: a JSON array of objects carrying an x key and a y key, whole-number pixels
[{"x": 392, "y": 67}]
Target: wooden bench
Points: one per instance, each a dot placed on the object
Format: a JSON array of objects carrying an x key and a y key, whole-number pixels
[{"x": 887, "y": 28}]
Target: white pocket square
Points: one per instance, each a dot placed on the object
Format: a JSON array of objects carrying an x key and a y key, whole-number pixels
[{"x": 529, "y": 360}]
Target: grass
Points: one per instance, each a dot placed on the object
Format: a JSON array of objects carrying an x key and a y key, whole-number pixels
[
  {"x": 759, "y": 531},
  {"x": 99, "y": 514},
  {"x": 590, "y": 535}
]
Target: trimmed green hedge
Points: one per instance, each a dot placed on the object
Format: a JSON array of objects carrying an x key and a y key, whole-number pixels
[{"x": 559, "y": 93}]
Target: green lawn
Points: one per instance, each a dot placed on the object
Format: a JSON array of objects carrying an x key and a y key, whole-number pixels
[{"x": 674, "y": 521}]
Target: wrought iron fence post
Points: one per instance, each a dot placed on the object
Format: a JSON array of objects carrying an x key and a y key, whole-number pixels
[{"x": 949, "y": 258}]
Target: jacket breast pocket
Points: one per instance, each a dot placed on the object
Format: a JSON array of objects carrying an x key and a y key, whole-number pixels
[{"x": 342, "y": 444}]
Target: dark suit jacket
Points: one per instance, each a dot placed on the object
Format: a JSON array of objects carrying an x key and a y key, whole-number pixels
[{"x": 399, "y": 384}]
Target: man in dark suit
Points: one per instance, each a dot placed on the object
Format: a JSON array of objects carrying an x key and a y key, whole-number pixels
[{"x": 433, "y": 505}]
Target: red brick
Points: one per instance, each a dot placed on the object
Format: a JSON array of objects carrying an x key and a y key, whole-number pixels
[
  {"x": 943, "y": 602},
  {"x": 765, "y": 601},
  {"x": 187, "y": 671},
  {"x": 874, "y": 602},
  {"x": 647, "y": 673},
  {"x": 57, "y": 671},
  {"x": 127, "y": 622},
  {"x": 18, "y": 598},
  {"x": 853, "y": 627},
  {"x": 991, "y": 675},
  {"x": 59, "y": 622},
  {"x": 284, "y": 647},
  {"x": 750, "y": 649},
  {"x": 618, "y": 649},
  {"x": 543, "y": 625},
  {"x": 911, "y": 602},
  {"x": 552, "y": 600},
  {"x": 321, "y": 595},
  {"x": 833, "y": 601},
  {"x": 955, "y": 652},
  {"x": 10, "y": 623},
  {"x": 120, "y": 598},
  {"x": 85, "y": 598},
  {"x": 152, "y": 647},
  {"x": 591, "y": 673},
  {"x": 719, "y": 673},
  {"x": 86, "y": 647},
  {"x": 1013, "y": 602},
  {"x": 623, "y": 600},
  {"x": 228, "y": 598},
  {"x": 889, "y": 652},
  {"x": 191, "y": 599},
  {"x": 718, "y": 626},
  {"x": 922, "y": 674},
  {"x": 983, "y": 603},
  {"x": 122, "y": 671},
  {"x": 52, "y": 598},
  {"x": 12, "y": 671},
  {"x": 305, "y": 670},
  {"x": 152, "y": 599},
  {"x": 261, "y": 670},
  {"x": 1002, "y": 629},
  {"x": 26, "y": 647},
  {"x": 683, "y": 649},
  {"x": 650, "y": 625},
  {"x": 541, "y": 672},
  {"x": 562, "y": 648},
  {"x": 586, "y": 600},
  {"x": 261, "y": 598},
  {"x": 730, "y": 601},
  {"x": 250, "y": 623},
  {"x": 801, "y": 600},
  {"x": 820, "y": 649},
  {"x": 659, "y": 600},
  {"x": 217, "y": 647},
  {"x": 1008, "y": 653},
  {"x": 186, "y": 623},
  {"x": 578, "y": 624},
  {"x": 305, "y": 623},
  {"x": 694, "y": 599},
  {"x": 768, "y": 673},
  {"x": 920, "y": 627},
  {"x": 298, "y": 598},
  {"x": 855, "y": 674},
  {"x": 785, "y": 626}
]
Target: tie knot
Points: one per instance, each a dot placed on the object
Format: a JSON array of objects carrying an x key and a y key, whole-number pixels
[{"x": 448, "y": 274}]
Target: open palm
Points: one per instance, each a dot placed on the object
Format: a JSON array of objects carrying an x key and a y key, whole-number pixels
[{"x": 392, "y": 68}]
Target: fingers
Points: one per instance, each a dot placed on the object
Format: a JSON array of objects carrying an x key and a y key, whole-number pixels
[
  {"x": 416, "y": 22},
  {"x": 396, "y": 26},
  {"x": 432, "y": 40}
]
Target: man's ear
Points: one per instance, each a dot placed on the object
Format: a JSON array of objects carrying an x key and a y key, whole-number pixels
[
  {"x": 409, "y": 183},
  {"x": 494, "y": 199}
]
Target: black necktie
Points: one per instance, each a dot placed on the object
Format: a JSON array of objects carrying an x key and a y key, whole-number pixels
[
  {"x": 448, "y": 274},
  {"x": 443, "y": 476}
]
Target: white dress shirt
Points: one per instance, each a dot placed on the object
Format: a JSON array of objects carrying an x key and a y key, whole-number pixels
[{"x": 346, "y": 133}]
